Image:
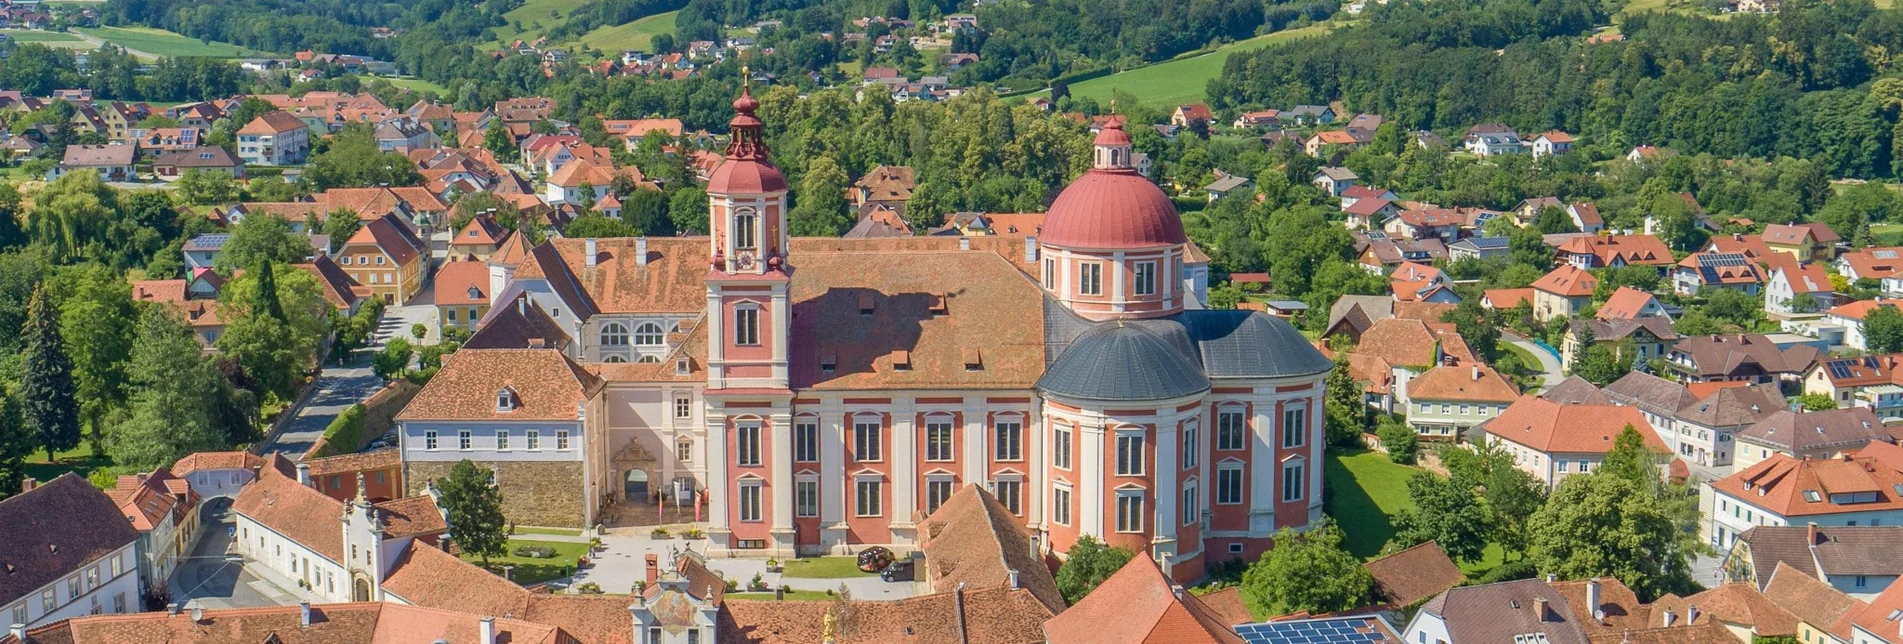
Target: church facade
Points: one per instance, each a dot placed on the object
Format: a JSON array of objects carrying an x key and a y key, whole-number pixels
[{"x": 818, "y": 395}]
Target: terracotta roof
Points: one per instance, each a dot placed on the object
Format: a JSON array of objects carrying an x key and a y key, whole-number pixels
[
  {"x": 93, "y": 156},
  {"x": 1812, "y": 601},
  {"x": 1138, "y": 605},
  {"x": 1785, "y": 486},
  {"x": 972, "y": 541},
  {"x": 481, "y": 229},
  {"x": 1619, "y": 608},
  {"x": 357, "y": 623},
  {"x": 53, "y": 530},
  {"x": 1432, "y": 217},
  {"x": 412, "y": 517},
  {"x": 546, "y": 384},
  {"x": 392, "y": 236},
  {"x": 462, "y": 283},
  {"x": 1498, "y": 612},
  {"x": 1873, "y": 263},
  {"x": 1408, "y": 343},
  {"x": 1411, "y": 575},
  {"x": 1553, "y": 428},
  {"x": 1721, "y": 269},
  {"x": 274, "y": 122},
  {"x": 1805, "y": 278},
  {"x": 1608, "y": 250},
  {"x": 298, "y": 512},
  {"x": 996, "y": 615},
  {"x": 1677, "y": 634},
  {"x": 1883, "y": 616},
  {"x": 1862, "y": 371},
  {"x": 146, "y": 500},
  {"x": 1227, "y": 605},
  {"x": 1567, "y": 281},
  {"x": 209, "y": 156},
  {"x": 426, "y": 576},
  {"x": 1621, "y": 328},
  {"x": 1730, "y": 604},
  {"x": 1112, "y": 209},
  {"x": 358, "y": 462},
  {"x": 1797, "y": 234},
  {"x": 1800, "y": 432},
  {"x": 1506, "y": 298},
  {"x": 217, "y": 461},
  {"x": 1751, "y": 246},
  {"x": 1856, "y": 310},
  {"x": 1575, "y": 390},
  {"x": 1626, "y": 303},
  {"x": 887, "y": 182},
  {"x": 1462, "y": 384},
  {"x": 672, "y": 281},
  {"x": 1721, "y": 355},
  {"x": 579, "y": 172},
  {"x": 339, "y": 289},
  {"x": 517, "y": 324}
]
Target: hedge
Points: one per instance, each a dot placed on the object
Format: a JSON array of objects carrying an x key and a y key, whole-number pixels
[{"x": 345, "y": 433}]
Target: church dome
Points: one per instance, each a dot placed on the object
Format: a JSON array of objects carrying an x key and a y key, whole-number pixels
[
  {"x": 1123, "y": 362},
  {"x": 1112, "y": 206},
  {"x": 747, "y": 169}
]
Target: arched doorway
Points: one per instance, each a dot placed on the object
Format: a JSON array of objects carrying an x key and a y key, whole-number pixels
[
  {"x": 635, "y": 488},
  {"x": 360, "y": 589}
]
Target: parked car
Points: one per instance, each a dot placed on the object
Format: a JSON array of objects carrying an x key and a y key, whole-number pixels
[
  {"x": 901, "y": 570},
  {"x": 874, "y": 559}
]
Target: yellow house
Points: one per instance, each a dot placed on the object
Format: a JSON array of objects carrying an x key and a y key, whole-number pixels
[
  {"x": 1806, "y": 242},
  {"x": 462, "y": 293},
  {"x": 386, "y": 256}
]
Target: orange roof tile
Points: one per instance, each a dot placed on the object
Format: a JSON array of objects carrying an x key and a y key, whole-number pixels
[
  {"x": 1568, "y": 281},
  {"x": 1137, "y": 605},
  {"x": 1553, "y": 428}
]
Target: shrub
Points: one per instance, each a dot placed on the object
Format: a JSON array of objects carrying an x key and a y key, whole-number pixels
[
  {"x": 393, "y": 359},
  {"x": 1508, "y": 571},
  {"x": 345, "y": 433},
  {"x": 732, "y": 585},
  {"x": 588, "y": 588},
  {"x": 1402, "y": 443},
  {"x": 659, "y": 533},
  {"x": 534, "y": 552},
  {"x": 694, "y": 533}
]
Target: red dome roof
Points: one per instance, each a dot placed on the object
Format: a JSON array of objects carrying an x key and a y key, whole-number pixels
[
  {"x": 1113, "y": 134},
  {"x": 1112, "y": 209},
  {"x": 745, "y": 176}
]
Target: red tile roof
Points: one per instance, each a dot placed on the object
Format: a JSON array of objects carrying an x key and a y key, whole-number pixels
[
  {"x": 1626, "y": 303},
  {"x": 298, "y": 512},
  {"x": 1778, "y": 485},
  {"x": 547, "y": 385},
  {"x": 1856, "y": 310},
  {"x": 1414, "y": 574},
  {"x": 1553, "y": 428},
  {"x": 1567, "y": 281},
  {"x": 1462, "y": 384},
  {"x": 1137, "y": 605},
  {"x": 462, "y": 283},
  {"x": 1506, "y": 298}
]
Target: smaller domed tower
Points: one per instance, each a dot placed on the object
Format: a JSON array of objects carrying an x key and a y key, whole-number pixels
[{"x": 1112, "y": 245}]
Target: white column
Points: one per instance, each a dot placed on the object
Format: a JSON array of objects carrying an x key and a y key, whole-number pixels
[
  {"x": 1037, "y": 482},
  {"x": 782, "y": 320},
  {"x": 904, "y": 463},
  {"x": 1264, "y": 471},
  {"x": 1090, "y": 492},
  {"x": 832, "y": 463},
  {"x": 1168, "y": 468},
  {"x": 782, "y": 481},
  {"x": 977, "y": 437},
  {"x": 716, "y": 342},
  {"x": 1316, "y": 437},
  {"x": 1118, "y": 297},
  {"x": 718, "y": 476}
]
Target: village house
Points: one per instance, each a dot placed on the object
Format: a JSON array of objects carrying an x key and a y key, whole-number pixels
[
  {"x": 1480, "y": 248},
  {"x": 1325, "y": 140},
  {"x": 164, "y": 509},
  {"x": 113, "y": 162},
  {"x": 1353, "y": 194},
  {"x": 1563, "y": 292},
  {"x": 403, "y": 134},
  {"x": 1191, "y": 114},
  {"x": 1334, "y": 180},
  {"x": 1427, "y": 223},
  {"x": 1805, "y": 434},
  {"x": 1307, "y": 115},
  {"x": 1732, "y": 271},
  {"x": 1850, "y": 317},
  {"x": 1798, "y": 289},
  {"x": 1750, "y": 357},
  {"x": 1631, "y": 341},
  {"x": 1845, "y": 557},
  {"x": 1552, "y": 143},
  {"x": 1629, "y": 303},
  {"x": 1260, "y": 119},
  {"x": 1806, "y": 242},
  {"x": 274, "y": 138},
  {"x": 1381, "y": 254},
  {"x": 70, "y": 551},
  {"x": 1699, "y": 429},
  {"x": 170, "y": 166},
  {"x": 1874, "y": 263},
  {"x": 1872, "y": 382},
  {"x": 195, "y": 300},
  {"x": 1551, "y": 441},
  {"x": 1227, "y": 183},
  {"x": 386, "y": 256},
  {"x": 1856, "y": 488},
  {"x": 1491, "y": 139},
  {"x": 1613, "y": 251},
  {"x": 1447, "y": 403},
  {"x": 462, "y": 293},
  {"x": 1371, "y": 213},
  {"x": 479, "y": 238}
]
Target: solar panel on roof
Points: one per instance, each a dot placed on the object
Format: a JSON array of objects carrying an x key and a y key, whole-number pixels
[
  {"x": 1724, "y": 259},
  {"x": 1341, "y": 630}
]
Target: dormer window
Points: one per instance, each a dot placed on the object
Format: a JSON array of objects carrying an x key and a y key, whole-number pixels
[
  {"x": 506, "y": 401},
  {"x": 974, "y": 360},
  {"x": 682, "y": 367},
  {"x": 474, "y": 293},
  {"x": 865, "y": 303},
  {"x": 901, "y": 360},
  {"x": 829, "y": 362}
]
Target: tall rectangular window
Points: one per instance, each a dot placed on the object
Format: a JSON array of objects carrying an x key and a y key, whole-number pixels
[
  {"x": 1294, "y": 427},
  {"x": 747, "y": 448},
  {"x": 502, "y": 440},
  {"x": 684, "y": 451},
  {"x": 1129, "y": 513},
  {"x": 936, "y": 492},
  {"x": 1192, "y": 444},
  {"x": 1009, "y": 441},
  {"x": 1229, "y": 484},
  {"x": 1192, "y": 503},
  {"x": 1060, "y": 505},
  {"x": 866, "y": 445},
  {"x": 1292, "y": 481},
  {"x": 750, "y": 502},
  {"x": 462, "y": 439},
  {"x": 870, "y": 503},
  {"x": 534, "y": 440},
  {"x": 1090, "y": 278},
  {"x": 746, "y": 327},
  {"x": 1145, "y": 277},
  {"x": 683, "y": 407},
  {"x": 1060, "y": 447},
  {"x": 806, "y": 499},
  {"x": 561, "y": 440},
  {"x": 1009, "y": 493},
  {"x": 806, "y": 441},
  {"x": 429, "y": 440},
  {"x": 938, "y": 441},
  {"x": 1050, "y": 272},
  {"x": 1129, "y": 455},
  {"x": 1230, "y": 430}
]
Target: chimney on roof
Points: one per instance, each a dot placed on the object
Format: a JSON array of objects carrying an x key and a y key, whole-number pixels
[
  {"x": 1668, "y": 619},
  {"x": 959, "y": 601},
  {"x": 1691, "y": 615},
  {"x": 304, "y": 613},
  {"x": 172, "y": 609},
  {"x": 964, "y": 243},
  {"x": 1539, "y": 609},
  {"x": 641, "y": 251},
  {"x": 1593, "y": 598},
  {"x": 1476, "y": 372},
  {"x": 1810, "y": 533},
  {"x": 198, "y": 614},
  {"x": 590, "y": 251},
  {"x": 28, "y": 484},
  {"x": 1030, "y": 250},
  {"x": 654, "y": 568},
  {"x": 18, "y": 631},
  {"x": 304, "y": 474},
  {"x": 1014, "y": 579},
  {"x": 486, "y": 630}
]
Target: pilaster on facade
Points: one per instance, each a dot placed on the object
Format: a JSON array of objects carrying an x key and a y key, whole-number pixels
[
  {"x": 720, "y": 471},
  {"x": 905, "y": 474},
  {"x": 781, "y": 485}
]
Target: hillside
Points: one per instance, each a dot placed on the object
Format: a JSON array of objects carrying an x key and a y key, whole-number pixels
[
  {"x": 159, "y": 42},
  {"x": 1181, "y": 80},
  {"x": 534, "y": 18},
  {"x": 637, "y": 35}
]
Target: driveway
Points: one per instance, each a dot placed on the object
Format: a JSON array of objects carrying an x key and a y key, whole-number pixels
[
  {"x": 207, "y": 579},
  {"x": 1551, "y": 372},
  {"x": 335, "y": 390},
  {"x": 397, "y": 319}
]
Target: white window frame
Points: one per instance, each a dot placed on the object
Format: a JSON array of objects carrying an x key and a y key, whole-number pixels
[
  {"x": 941, "y": 439},
  {"x": 1294, "y": 426},
  {"x": 1131, "y": 445},
  {"x": 1143, "y": 278},
  {"x": 746, "y": 443},
  {"x": 1239, "y": 432},
  {"x": 805, "y": 498},
  {"x": 806, "y": 440},
  {"x": 749, "y": 505},
  {"x": 1061, "y": 496},
  {"x": 1192, "y": 506},
  {"x": 1192, "y": 443},
  {"x": 1131, "y": 511},
  {"x": 1229, "y": 474},
  {"x": 746, "y": 325},
  {"x": 1061, "y": 437},
  {"x": 868, "y": 436},
  {"x": 1008, "y": 438},
  {"x": 1090, "y": 278},
  {"x": 429, "y": 440},
  {"x": 868, "y": 497},
  {"x": 1294, "y": 488}
]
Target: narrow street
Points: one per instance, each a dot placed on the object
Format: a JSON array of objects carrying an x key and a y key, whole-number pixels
[
  {"x": 336, "y": 389},
  {"x": 208, "y": 579}
]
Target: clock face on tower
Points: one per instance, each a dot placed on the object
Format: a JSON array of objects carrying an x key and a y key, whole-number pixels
[{"x": 745, "y": 260}]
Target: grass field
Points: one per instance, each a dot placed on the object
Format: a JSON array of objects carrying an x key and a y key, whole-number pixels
[
  {"x": 56, "y": 39},
  {"x": 159, "y": 42},
  {"x": 1182, "y": 80},
  {"x": 547, "y": 13},
  {"x": 530, "y": 571},
  {"x": 566, "y": 532},
  {"x": 78, "y": 460},
  {"x": 418, "y": 84},
  {"x": 1367, "y": 490},
  {"x": 824, "y": 568},
  {"x": 638, "y": 35}
]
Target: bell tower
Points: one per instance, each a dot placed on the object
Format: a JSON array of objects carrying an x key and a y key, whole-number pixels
[{"x": 748, "y": 279}]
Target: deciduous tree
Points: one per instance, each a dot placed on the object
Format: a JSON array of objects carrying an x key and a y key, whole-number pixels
[
  {"x": 473, "y": 506},
  {"x": 1089, "y": 562},
  {"x": 1307, "y": 571}
]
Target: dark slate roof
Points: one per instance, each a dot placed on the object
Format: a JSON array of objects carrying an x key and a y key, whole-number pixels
[
  {"x": 1161, "y": 358},
  {"x": 54, "y": 530},
  {"x": 514, "y": 323}
]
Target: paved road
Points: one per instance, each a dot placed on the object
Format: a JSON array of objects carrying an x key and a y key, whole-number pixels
[
  {"x": 208, "y": 580},
  {"x": 621, "y": 562},
  {"x": 336, "y": 390},
  {"x": 1551, "y": 372}
]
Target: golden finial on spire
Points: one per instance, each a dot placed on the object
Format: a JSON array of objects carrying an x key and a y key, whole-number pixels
[
  {"x": 1113, "y": 106},
  {"x": 746, "y": 77}
]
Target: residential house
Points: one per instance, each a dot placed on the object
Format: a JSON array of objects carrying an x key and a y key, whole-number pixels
[
  {"x": 1700, "y": 271},
  {"x": 1850, "y": 490},
  {"x": 1448, "y": 402},
  {"x": 1858, "y": 561},
  {"x": 274, "y": 138},
  {"x": 1552, "y": 441},
  {"x": 1563, "y": 292},
  {"x": 386, "y": 256},
  {"x": 1632, "y": 341},
  {"x": 462, "y": 293},
  {"x": 170, "y": 166},
  {"x": 1498, "y": 299},
  {"x": 375, "y": 476},
  {"x": 1585, "y": 216},
  {"x": 403, "y": 134},
  {"x": 1750, "y": 357},
  {"x": 1480, "y": 248},
  {"x": 888, "y": 184},
  {"x": 567, "y": 184},
  {"x": 1872, "y": 382},
  {"x": 1806, "y": 242},
  {"x": 1647, "y": 154},
  {"x": 1226, "y": 184},
  {"x": 164, "y": 509},
  {"x": 1352, "y": 194},
  {"x": 195, "y": 299},
  {"x": 1700, "y": 429},
  {"x": 633, "y": 131},
  {"x": 113, "y": 162},
  {"x": 1613, "y": 251},
  {"x": 1369, "y": 214},
  {"x": 1528, "y": 211},
  {"x": 1873, "y": 263},
  {"x": 1262, "y": 119},
  {"x": 1492, "y": 139},
  {"x": 478, "y": 239},
  {"x": 1382, "y": 254},
  {"x": 1881, "y": 621},
  {"x": 201, "y": 251},
  {"x": 1797, "y": 289},
  {"x": 1552, "y": 143},
  {"x": 1325, "y": 140},
  {"x": 1412, "y": 575},
  {"x": 1413, "y": 282},
  {"x": 1850, "y": 316},
  {"x": 1527, "y": 610},
  {"x": 69, "y": 552},
  {"x": 1427, "y": 223},
  {"x": 1392, "y": 352},
  {"x": 1191, "y": 114},
  {"x": 1307, "y": 115},
  {"x": 1334, "y": 180},
  {"x": 1629, "y": 303},
  {"x": 340, "y": 291},
  {"x": 1353, "y": 315},
  {"x": 218, "y": 474},
  {"x": 1805, "y": 434},
  {"x": 1823, "y": 613}
]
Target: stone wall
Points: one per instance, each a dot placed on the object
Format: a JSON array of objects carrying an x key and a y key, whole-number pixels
[{"x": 534, "y": 493}]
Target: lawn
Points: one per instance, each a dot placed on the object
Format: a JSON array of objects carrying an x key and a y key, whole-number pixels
[
  {"x": 159, "y": 42},
  {"x": 530, "y": 571},
  {"x": 78, "y": 460},
  {"x": 791, "y": 594},
  {"x": 535, "y": 17},
  {"x": 1184, "y": 79},
  {"x": 1366, "y": 490},
  {"x": 56, "y": 39},
  {"x": 566, "y": 532},
  {"x": 638, "y": 35},
  {"x": 1886, "y": 234},
  {"x": 824, "y": 568},
  {"x": 417, "y": 84}
]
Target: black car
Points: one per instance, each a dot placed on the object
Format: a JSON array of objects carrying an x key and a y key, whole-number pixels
[
  {"x": 899, "y": 571},
  {"x": 874, "y": 559}
]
